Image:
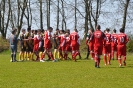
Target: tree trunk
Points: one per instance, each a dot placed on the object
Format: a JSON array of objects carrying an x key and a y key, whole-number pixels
[
  {"x": 125, "y": 14},
  {"x": 41, "y": 15},
  {"x": 58, "y": 10},
  {"x": 75, "y": 14}
]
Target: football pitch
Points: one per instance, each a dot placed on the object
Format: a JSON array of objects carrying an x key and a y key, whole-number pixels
[{"x": 65, "y": 74}]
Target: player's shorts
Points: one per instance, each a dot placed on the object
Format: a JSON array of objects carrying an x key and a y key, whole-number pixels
[
  {"x": 48, "y": 46},
  {"x": 36, "y": 48},
  {"x": 98, "y": 50},
  {"x": 114, "y": 48},
  {"x": 13, "y": 48},
  {"x": 68, "y": 48},
  {"x": 41, "y": 49},
  {"x": 121, "y": 50},
  {"x": 75, "y": 47},
  {"x": 23, "y": 48},
  {"x": 107, "y": 49},
  {"x": 61, "y": 48}
]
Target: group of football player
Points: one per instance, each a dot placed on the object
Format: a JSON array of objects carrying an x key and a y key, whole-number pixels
[
  {"x": 39, "y": 43},
  {"x": 105, "y": 43}
]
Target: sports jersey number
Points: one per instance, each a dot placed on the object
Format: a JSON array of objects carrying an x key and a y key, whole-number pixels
[
  {"x": 121, "y": 39},
  {"x": 73, "y": 37}
]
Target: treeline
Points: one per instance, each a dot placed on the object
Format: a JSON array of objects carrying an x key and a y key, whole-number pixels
[{"x": 82, "y": 14}]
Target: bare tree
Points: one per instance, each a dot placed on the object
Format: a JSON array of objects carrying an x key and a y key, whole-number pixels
[
  {"x": 63, "y": 16},
  {"x": 58, "y": 11},
  {"x": 41, "y": 15},
  {"x": 48, "y": 12},
  {"x": 75, "y": 13},
  {"x": 4, "y": 21},
  {"x": 28, "y": 16},
  {"x": 125, "y": 14}
]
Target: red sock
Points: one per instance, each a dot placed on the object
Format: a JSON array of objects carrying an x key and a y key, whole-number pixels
[
  {"x": 51, "y": 55},
  {"x": 77, "y": 53},
  {"x": 43, "y": 55},
  {"x": 105, "y": 59},
  {"x": 65, "y": 56}
]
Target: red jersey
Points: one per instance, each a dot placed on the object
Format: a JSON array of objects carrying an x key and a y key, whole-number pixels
[
  {"x": 36, "y": 39},
  {"x": 47, "y": 38},
  {"x": 62, "y": 39},
  {"x": 113, "y": 39},
  {"x": 108, "y": 38},
  {"x": 68, "y": 42},
  {"x": 99, "y": 37},
  {"x": 74, "y": 37},
  {"x": 122, "y": 39}
]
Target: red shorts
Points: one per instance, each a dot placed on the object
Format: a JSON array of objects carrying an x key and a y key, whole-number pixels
[
  {"x": 75, "y": 47},
  {"x": 121, "y": 50},
  {"x": 36, "y": 47},
  {"x": 107, "y": 49},
  {"x": 91, "y": 47},
  {"x": 61, "y": 48},
  {"x": 98, "y": 50},
  {"x": 68, "y": 48},
  {"x": 48, "y": 46},
  {"x": 114, "y": 48}
]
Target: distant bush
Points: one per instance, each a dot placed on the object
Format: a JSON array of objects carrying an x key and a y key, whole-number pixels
[
  {"x": 4, "y": 44},
  {"x": 130, "y": 46}
]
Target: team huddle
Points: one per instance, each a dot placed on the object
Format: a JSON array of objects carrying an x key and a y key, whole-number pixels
[{"x": 40, "y": 42}]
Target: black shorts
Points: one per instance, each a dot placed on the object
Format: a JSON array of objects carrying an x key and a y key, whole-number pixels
[
  {"x": 23, "y": 48},
  {"x": 41, "y": 49}
]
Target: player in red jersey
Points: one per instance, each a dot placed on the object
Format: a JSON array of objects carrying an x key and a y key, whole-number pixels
[
  {"x": 122, "y": 40},
  {"x": 48, "y": 43},
  {"x": 90, "y": 43},
  {"x": 107, "y": 47},
  {"x": 74, "y": 37},
  {"x": 98, "y": 37},
  {"x": 61, "y": 48},
  {"x": 67, "y": 45},
  {"x": 37, "y": 39},
  {"x": 114, "y": 44}
]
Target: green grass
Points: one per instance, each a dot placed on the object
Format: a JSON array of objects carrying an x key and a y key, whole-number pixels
[{"x": 64, "y": 74}]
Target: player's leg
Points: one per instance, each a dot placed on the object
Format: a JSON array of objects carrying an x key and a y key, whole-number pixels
[
  {"x": 105, "y": 55},
  {"x": 88, "y": 53},
  {"x": 109, "y": 54},
  {"x": 119, "y": 55}
]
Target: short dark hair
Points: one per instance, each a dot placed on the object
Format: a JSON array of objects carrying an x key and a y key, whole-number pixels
[
  {"x": 98, "y": 27},
  {"x": 14, "y": 30},
  {"x": 91, "y": 29},
  {"x": 50, "y": 28},
  {"x": 122, "y": 30},
  {"x": 29, "y": 28},
  {"x": 107, "y": 29},
  {"x": 75, "y": 30},
  {"x": 114, "y": 30}
]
